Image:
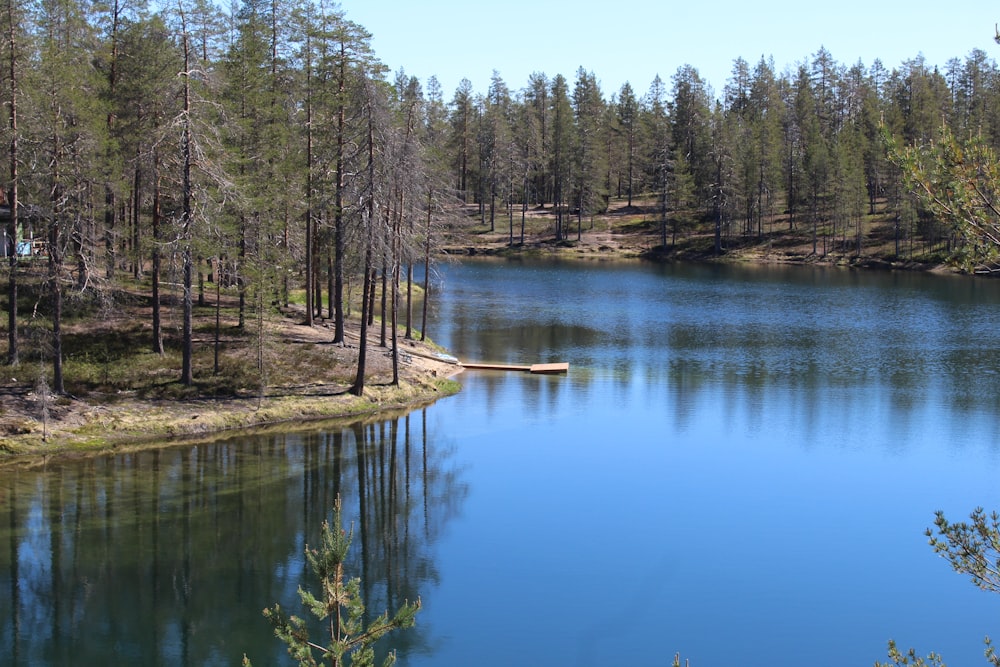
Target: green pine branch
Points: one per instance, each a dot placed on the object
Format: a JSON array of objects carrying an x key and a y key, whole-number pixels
[
  {"x": 339, "y": 606},
  {"x": 972, "y": 548},
  {"x": 957, "y": 182}
]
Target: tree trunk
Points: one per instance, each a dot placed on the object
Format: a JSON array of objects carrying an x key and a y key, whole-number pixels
[
  {"x": 218, "y": 326},
  {"x": 339, "y": 232},
  {"x": 136, "y": 236},
  {"x": 155, "y": 278},
  {"x": 187, "y": 354},
  {"x": 241, "y": 285},
  {"x": 409, "y": 301},
  {"x": 367, "y": 290},
  {"x": 110, "y": 203},
  {"x": 385, "y": 293},
  {"x": 317, "y": 285},
  {"x": 109, "y": 230},
  {"x": 427, "y": 267},
  {"x": 394, "y": 305},
  {"x": 55, "y": 286},
  {"x": 13, "y": 357},
  {"x": 368, "y": 281},
  {"x": 187, "y": 343},
  {"x": 371, "y": 297},
  {"x": 310, "y": 223}
]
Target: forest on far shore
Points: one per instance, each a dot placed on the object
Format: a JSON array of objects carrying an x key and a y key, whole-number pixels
[{"x": 266, "y": 152}]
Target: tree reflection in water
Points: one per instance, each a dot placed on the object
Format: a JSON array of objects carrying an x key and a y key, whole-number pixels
[{"x": 168, "y": 556}]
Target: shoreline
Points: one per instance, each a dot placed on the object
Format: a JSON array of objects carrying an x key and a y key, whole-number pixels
[
  {"x": 78, "y": 427},
  {"x": 588, "y": 249},
  {"x": 106, "y": 424},
  {"x": 635, "y": 232},
  {"x": 67, "y": 446}
]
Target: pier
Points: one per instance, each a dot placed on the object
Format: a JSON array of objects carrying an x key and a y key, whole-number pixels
[{"x": 538, "y": 369}]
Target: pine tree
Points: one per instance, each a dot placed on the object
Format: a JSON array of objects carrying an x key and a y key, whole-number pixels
[
  {"x": 202, "y": 184},
  {"x": 15, "y": 34},
  {"x": 344, "y": 62},
  {"x": 258, "y": 150},
  {"x": 691, "y": 127},
  {"x": 627, "y": 110},
  {"x": 462, "y": 122},
  {"x": 769, "y": 112},
  {"x": 339, "y": 606},
  {"x": 187, "y": 214},
  {"x": 147, "y": 96},
  {"x": 972, "y": 548},
  {"x": 69, "y": 90},
  {"x": 435, "y": 131},
  {"x": 959, "y": 183},
  {"x": 742, "y": 119},
  {"x": 537, "y": 122},
  {"x": 663, "y": 170},
  {"x": 562, "y": 143},
  {"x": 372, "y": 241},
  {"x": 588, "y": 110},
  {"x": 495, "y": 141}
]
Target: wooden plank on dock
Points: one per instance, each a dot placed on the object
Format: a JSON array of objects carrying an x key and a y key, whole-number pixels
[
  {"x": 497, "y": 367},
  {"x": 546, "y": 369},
  {"x": 550, "y": 369}
]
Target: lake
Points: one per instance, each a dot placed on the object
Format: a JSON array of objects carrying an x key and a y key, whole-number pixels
[{"x": 738, "y": 467}]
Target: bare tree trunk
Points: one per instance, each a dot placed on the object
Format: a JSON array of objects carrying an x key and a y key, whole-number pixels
[
  {"x": 371, "y": 297},
  {"x": 368, "y": 282},
  {"x": 55, "y": 287},
  {"x": 136, "y": 236},
  {"x": 339, "y": 231},
  {"x": 110, "y": 204},
  {"x": 187, "y": 369},
  {"x": 310, "y": 223},
  {"x": 368, "y": 288},
  {"x": 331, "y": 290},
  {"x": 409, "y": 301},
  {"x": 427, "y": 267},
  {"x": 317, "y": 285},
  {"x": 395, "y": 304},
  {"x": 241, "y": 285},
  {"x": 13, "y": 357},
  {"x": 157, "y": 331},
  {"x": 218, "y": 326},
  {"x": 187, "y": 354},
  {"x": 385, "y": 293},
  {"x": 55, "y": 261},
  {"x": 284, "y": 247},
  {"x": 201, "y": 278}
]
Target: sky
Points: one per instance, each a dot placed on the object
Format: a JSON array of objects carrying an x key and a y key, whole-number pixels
[{"x": 636, "y": 41}]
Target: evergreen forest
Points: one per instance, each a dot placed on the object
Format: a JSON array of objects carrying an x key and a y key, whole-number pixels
[{"x": 266, "y": 149}]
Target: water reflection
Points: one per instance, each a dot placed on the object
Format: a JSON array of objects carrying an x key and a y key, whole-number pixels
[
  {"x": 723, "y": 435},
  {"x": 752, "y": 329},
  {"x": 168, "y": 556}
]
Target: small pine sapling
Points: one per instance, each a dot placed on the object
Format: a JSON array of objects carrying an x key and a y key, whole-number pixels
[{"x": 339, "y": 606}]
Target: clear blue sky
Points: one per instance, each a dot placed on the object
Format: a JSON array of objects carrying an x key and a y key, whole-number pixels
[{"x": 635, "y": 41}]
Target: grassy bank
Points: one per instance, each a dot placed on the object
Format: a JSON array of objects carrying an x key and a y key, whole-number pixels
[{"x": 120, "y": 393}]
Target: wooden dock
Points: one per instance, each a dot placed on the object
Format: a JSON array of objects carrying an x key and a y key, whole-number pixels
[
  {"x": 549, "y": 369},
  {"x": 538, "y": 369}
]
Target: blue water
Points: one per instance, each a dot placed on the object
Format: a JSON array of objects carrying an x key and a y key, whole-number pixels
[{"x": 739, "y": 468}]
